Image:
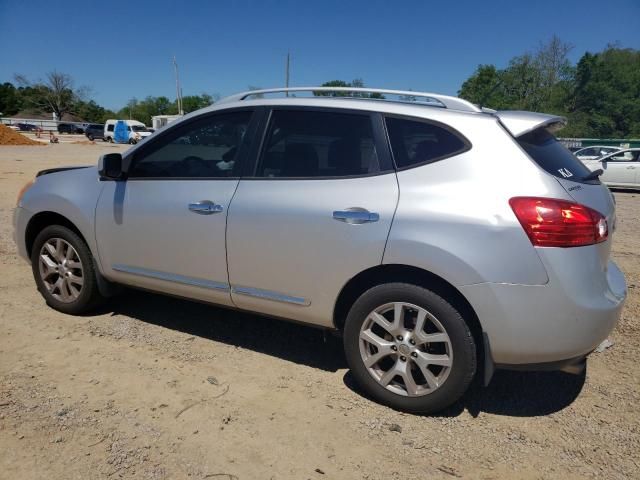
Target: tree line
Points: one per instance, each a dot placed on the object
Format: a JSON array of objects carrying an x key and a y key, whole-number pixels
[
  {"x": 57, "y": 93},
  {"x": 600, "y": 95}
]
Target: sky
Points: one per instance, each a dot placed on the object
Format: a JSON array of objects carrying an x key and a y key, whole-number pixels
[{"x": 122, "y": 50}]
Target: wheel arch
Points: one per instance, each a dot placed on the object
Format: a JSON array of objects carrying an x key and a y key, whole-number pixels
[
  {"x": 416, "y": 276},
  {"x": 42, "y": 220}
]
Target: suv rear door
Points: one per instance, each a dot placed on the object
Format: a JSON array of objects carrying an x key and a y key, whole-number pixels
[{"x": 314, "y": 210}]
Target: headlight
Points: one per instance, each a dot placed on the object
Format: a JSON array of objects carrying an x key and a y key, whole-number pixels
[{"x": 23, "y": 190}]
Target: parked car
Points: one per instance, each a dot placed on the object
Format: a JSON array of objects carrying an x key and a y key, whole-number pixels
[
  {"x": 69, "y": 128},
  {"x": 94, "y": 131},
  {"x": 26, "y": 127},
  {"x": 440, "y": 239},
  {"x": 619, "y": 169},
  {"x": 131, "y": 131},
  {"x": 595, "y": 152}
]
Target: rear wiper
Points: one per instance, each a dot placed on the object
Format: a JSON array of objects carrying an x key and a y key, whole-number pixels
[{"x": 593, "y": 175}]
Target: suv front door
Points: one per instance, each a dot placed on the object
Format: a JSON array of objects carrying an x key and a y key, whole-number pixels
[
  {"x": 164, "y": 227},
  {"x": 314, "y": 211}
]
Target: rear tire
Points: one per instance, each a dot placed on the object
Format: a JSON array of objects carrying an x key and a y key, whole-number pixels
[
  {"x": 409, "y": 348},
  {"x": 90, "y": 137},
  {"x": 64, "y": 271}
]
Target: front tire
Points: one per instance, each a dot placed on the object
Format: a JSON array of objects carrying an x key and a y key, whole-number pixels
[
  {"x": 409, "y": 348},
  {"x": 64, "y": 271}
]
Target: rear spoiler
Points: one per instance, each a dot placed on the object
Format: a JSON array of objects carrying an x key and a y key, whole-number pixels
[{"x": 519, "y": 123}]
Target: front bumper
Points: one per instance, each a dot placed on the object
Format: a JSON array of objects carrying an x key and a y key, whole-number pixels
[
  {"x": 21, "y": 217},
  {"x": 564, "y": 320}
]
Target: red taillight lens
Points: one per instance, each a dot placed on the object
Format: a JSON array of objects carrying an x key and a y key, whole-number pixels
[{"x": 558, "y": 223}]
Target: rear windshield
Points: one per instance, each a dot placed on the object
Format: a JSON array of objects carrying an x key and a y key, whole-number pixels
[{"x": 552, "y": 156}]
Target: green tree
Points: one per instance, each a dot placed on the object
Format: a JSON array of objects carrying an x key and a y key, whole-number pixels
[
  {"x": 485, "y": 88},
  {"x": 607, "y": 92},
  {"x": 10, "y": 101},
  {"x": 191, "y": 103},
  {"x": 356, "y": 83},
  {"x": 143, "y": 110},
  {"x": 600, "y": 95}
]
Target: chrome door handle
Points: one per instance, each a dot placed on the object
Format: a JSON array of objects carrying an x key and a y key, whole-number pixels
[
  {"x": 205, "y": 207},
  {"x": 355, "y": 216},
  {"x": 631, "y": 167}
]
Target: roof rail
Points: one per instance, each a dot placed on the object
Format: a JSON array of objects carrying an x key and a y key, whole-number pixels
[{"x": 433, "y": 99}]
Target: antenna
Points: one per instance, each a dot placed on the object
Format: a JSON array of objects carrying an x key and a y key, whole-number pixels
[
  {"x": 178, "y": 89},
  {"x": 286, "y": 76}
]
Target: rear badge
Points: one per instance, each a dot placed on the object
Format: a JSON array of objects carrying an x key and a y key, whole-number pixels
[
  {"x": 565, "y": 173},
  {"x": 577, "y": 187}
]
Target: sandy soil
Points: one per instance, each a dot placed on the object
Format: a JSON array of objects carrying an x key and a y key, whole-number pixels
[{"x": 160, "y": 388}]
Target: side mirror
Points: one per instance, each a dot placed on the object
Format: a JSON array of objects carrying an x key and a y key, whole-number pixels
[{"x": 110, "y": 167}]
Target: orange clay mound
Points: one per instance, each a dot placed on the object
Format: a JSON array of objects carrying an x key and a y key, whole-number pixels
[{"x": 11, "y": 137}]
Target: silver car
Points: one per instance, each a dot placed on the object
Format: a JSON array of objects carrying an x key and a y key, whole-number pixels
[
  {"x": 619, "y": 169},
  {"x": 441, "y": 239}
]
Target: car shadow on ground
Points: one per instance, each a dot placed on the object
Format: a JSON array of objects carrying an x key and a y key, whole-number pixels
[
  {"x": 290, "y": 341},
  {"x": 512, "y": 394},
  {"x": 519, "y": 394}
]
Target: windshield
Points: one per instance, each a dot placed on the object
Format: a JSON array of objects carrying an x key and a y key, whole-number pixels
[
  {"x": 552, "y": 156},
  {"x": 138, "y": 128}
]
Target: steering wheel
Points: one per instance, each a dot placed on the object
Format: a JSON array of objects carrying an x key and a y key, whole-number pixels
[{"x": 194, "y": 166}]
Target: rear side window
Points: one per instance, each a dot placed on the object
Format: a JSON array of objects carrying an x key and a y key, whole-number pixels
[
  {"x": 307, "y": 144},
  {"x": 110, "y": 127},
  {"x": 552, "y": 156},
  {"x": 417, "y": 143}
]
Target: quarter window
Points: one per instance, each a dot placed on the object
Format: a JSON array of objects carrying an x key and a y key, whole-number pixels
[
  {"x": 303, "y": 144},
  {"x": 205, "y": 148},
  {"x": 418, "y": 143}
]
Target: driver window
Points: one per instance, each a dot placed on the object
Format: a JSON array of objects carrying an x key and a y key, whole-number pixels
[
  {"x": 204, "y": 148},
  {"x": 621, "y": 157}
]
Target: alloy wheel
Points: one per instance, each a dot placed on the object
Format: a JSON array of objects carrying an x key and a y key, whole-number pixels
[
  {"x": 405, "y": 349},
  {"x": 61, "y": 270}
]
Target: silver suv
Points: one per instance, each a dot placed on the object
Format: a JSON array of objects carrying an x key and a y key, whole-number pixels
[{"x": 441, "y": 239}]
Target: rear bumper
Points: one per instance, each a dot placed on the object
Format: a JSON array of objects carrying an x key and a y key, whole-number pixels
[
  {"x": 571, "y": 365},
  {"x": 564, "y": 320}
]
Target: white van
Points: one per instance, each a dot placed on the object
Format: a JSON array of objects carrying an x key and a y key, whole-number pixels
[{"x": 131, "y": 131}]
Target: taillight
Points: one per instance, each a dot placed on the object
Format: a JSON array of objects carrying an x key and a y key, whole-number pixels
[{"x": 551, "y": 222}]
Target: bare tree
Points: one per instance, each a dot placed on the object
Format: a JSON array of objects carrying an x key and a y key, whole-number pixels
[
  {"x": 55, "y": 93},
  {"x": 552, "y": 61}
]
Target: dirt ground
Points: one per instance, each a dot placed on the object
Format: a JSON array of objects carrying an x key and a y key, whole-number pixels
[{"x": 159, "y": 388}]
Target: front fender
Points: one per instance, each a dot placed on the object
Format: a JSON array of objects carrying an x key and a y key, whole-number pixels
[{"x": 73, "y": 194}]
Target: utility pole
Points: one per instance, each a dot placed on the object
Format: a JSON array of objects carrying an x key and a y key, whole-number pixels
[
  {"x": 178, "y": 89},
  {"x": 286, "y": 76}
]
